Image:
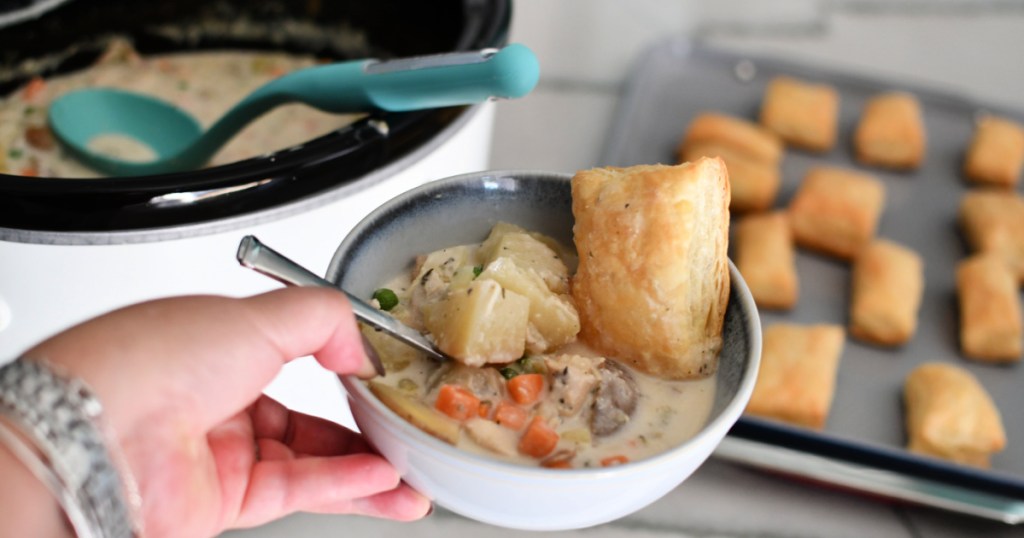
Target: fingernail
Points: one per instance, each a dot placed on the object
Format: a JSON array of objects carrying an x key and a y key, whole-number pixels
[
  {"x": 374, "y": 359},
  {"x": 429, "y": 510}
]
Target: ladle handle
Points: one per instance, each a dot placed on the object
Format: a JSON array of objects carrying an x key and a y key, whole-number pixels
[{"x": 267, "y": 261}]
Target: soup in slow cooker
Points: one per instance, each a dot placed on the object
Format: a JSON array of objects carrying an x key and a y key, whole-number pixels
[
  {"x": 205, "y": 84},
  {"x": 523, "y": 388}
]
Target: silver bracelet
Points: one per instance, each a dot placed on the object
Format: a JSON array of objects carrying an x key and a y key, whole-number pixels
[{"x": 61, "y": 417}]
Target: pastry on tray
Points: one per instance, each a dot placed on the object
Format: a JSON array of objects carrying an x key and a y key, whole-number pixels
[
  {"x": 891, "y": 132},
  {"x": 990, "y": 311},
  {"x": 653, "y": 278},
  {"x": 797, "y": 376},
  {"x": 950, "y": 415},
  {"x": 886, "y": 289},
  {"x": 764, "y": 254},
  {"x": 751, "y": 153},
  {"x": 996, "y": 153},
  {"x": 836, "y": 211},
  {"x": 992, "y": 221},
  {"x": 745, "y": 137},
  {"x": 804, "y": 114}
]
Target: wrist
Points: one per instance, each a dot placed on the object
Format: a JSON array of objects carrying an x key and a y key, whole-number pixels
[
  {"x": 66, "y": 449},
  {"x": 30, "y": 508}
]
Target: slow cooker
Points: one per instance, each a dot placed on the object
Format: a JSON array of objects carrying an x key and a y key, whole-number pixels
[{"x": 71, "y": 249}]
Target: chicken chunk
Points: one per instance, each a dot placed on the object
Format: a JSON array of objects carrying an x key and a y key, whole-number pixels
[{"x": 573, "y": 378}]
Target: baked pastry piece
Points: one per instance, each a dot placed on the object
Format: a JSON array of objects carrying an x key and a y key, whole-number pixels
[
  {"x": 891, "y": 132},
  {"x": 797, "y": 376},
  {"x": 996, "y": 153},
  {"x": 887, "y": 284},
  {"x": 754, "y": 185},
  {"x": 950, "y": 415},
  {"x": 653, "y": 277},
  {"x": 803, "y": 114},
  {"x": 836, "y": 211},
  {"x": 993, "y": 221},
  {"x": 751, "y": 153},
  {"x": 990, "y": 312},
  {"x": 745, "y": 137},
  {"x": 765, "y": 257}
]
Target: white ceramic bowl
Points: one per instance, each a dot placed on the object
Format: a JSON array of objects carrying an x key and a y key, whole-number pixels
[{"x": 461, "y": 210}]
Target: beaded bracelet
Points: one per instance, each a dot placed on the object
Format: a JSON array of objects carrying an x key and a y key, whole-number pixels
[{"x": 61, "y": 417}]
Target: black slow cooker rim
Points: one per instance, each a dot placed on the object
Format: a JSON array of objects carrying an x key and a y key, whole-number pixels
[{"x": 51, "y": 204}]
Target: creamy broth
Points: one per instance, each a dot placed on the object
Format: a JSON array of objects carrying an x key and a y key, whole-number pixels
[
  {"x": 666, "y": 413},
  {"x": 205, "y": 84}
]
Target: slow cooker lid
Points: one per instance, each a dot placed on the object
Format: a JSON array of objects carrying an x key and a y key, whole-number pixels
[{"x": 71, "y": 36}]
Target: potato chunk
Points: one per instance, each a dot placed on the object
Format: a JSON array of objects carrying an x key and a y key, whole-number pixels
[
  {"x": 554, "y": 320},
  {"x": 481, "y": 324},
  {"x": 528, "y": 252}
]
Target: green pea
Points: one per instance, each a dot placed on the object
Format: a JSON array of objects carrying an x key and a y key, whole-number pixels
[{"x": 386, "y": 298}]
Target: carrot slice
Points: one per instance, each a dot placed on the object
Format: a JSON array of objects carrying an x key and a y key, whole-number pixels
[
  {"x": 457, "y": 402},
  {"x": 614, "y": 460},
  {"x": 510, "y": 415},
  {"x": 526, "y": 388},
  {"x": 484, "y": 410},
  {"x": 539, "y": 439},
  {"x": 34, "y": 88}
]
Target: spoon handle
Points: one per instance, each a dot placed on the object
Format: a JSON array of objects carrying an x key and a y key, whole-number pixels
[
  {"x": 265, "y": 260},
  {"x": 418, "y": 83}
]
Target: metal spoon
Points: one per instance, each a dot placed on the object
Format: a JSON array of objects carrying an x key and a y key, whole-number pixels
[
  {"x": 357, "y": 86},
  {"x": 263, "y": 259}
]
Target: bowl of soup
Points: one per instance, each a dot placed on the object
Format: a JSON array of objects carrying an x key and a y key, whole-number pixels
[{"x": 554, "y": 440}]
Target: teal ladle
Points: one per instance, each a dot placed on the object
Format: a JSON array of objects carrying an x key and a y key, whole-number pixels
[{"x": 180, "y": 143}]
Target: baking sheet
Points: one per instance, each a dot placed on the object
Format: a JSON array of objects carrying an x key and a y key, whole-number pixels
[{"x": 676, "y": 80}]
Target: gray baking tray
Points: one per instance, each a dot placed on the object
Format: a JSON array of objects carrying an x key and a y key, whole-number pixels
[{"x": 674, "y": 81}]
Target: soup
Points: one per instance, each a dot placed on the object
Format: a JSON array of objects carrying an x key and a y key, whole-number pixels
[
  {"x": 523, "y": 389},
  {"x": 204, "y": 84}
]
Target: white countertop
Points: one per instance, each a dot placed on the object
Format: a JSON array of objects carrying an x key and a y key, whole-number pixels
[{"x": 586, "y": 48}]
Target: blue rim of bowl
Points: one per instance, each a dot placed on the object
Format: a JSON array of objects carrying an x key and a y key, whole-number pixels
[{"x": 399, "y": 426}]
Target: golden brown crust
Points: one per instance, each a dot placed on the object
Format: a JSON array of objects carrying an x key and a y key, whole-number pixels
[
  {"x": 996, "y": 153},
  {"x": 950, "y": 415},
  {"x": 836, "y": 211},
  {"x": 891, "y": 132},
  {"x": 765, "y": 258},
  {"x": 653, "y": 277},
  {"x": 797, "y": 376},
  {"x": 753, "y": 184},
  {"x": 803, "y": 114},
  {"x": 990, "y": 312},
  {"x": 993, "y": 221},
  {"x": 887, "y": 284},
  {"x": 745, "y": 137}
]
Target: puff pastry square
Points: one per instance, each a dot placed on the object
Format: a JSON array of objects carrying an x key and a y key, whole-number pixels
[
  {"x": 803, "y": 114},
  {"x": 950, "y": 415},
  {"x": 996, "y": 153},
  {"x": 836, "y": 211},
  {"x": 765, "y": 256},
  {"x": 797, "y": 377},
  {"x": 653, "y": 278},
  {"x": 754, "y": 184},
  {"x": 891, "y": 132},
  {"x": 745, "y": 137},
  {"x": 990, "y": 311},
  {"x": 887, "y": 284},
  {"x": 993, "y": 221}
]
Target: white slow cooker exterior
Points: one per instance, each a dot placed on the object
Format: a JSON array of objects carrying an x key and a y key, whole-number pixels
[{"x": 50, "y": 281}]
